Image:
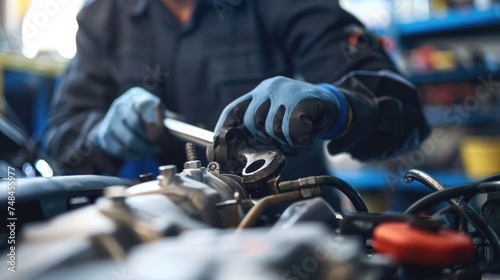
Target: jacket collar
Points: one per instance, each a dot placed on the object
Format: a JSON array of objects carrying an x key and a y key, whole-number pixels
[{"x": 134, "y": 7}]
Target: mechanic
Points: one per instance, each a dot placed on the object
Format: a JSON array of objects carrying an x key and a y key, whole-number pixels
[{"x": 292, "y": 71}]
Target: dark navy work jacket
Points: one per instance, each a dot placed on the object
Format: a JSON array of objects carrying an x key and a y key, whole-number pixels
[{"x": 225, "y": 51}]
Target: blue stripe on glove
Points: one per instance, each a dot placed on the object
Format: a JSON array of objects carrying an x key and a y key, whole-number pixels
[{"x": 341, "y": 124}]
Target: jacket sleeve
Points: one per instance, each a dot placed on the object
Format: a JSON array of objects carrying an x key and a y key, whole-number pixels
[
  {"x": 325, "y": 44},
  {"x": 82, "y": 98}
]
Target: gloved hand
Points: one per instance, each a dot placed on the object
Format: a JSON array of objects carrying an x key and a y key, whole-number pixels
[
  {"x": 289, "y": 112},
  {"x": 132, "y": 126}
]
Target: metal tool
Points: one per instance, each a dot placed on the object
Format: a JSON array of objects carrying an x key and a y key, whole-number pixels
[
  {"x": 234, "y": 152},
  {"x": 188, "y": 132}
]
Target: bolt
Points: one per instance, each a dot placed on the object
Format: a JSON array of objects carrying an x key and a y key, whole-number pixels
[
  {"x": 195, "y": 164},
  {"x": 306, "y": 193},
  {"x": 168, "y": 171},
  {"x": 115, "y": 191},
  {"x": 146, "y": 177},
  {"x": 116, "y": 194},
  {"x": 191, "y": 152},
  {"x": 162, "y": 180},
  {"x": 167, "y": 174},
  {"x": 212, "y": 167}
]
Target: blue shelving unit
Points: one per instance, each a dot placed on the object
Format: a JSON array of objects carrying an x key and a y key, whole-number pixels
[
  {"x": 468, "y": 74},
  {"x": 440, "y": 115},
  {"x": 455, "y": 20},
  {"x": 32, "y": 88},
  {"x": 407, "y": 35},
  {"x": 377, "y": 178}
]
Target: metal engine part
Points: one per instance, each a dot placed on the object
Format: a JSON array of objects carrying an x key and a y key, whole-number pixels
[
  {"x": 311, "y": 252},
  {"x": 259, "y": 166},
  {"x": 197, "y": 224},
  {"x": 200, "y": 194}
]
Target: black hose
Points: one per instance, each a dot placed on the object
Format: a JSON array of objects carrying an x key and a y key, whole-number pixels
[
  {"x": 492, "y": 178},
  {"x": 468, "y": 214},
  {"x": 435, "y": 198},
  {"x": 346, "y": 189}
]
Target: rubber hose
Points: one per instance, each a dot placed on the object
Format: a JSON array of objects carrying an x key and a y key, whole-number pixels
[{"x": 346, "y": 189}]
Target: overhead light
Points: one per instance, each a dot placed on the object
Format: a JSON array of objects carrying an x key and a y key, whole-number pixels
[{"x": 50, "y": 26}]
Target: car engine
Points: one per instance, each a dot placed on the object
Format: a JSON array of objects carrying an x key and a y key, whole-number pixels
[{"x": 236, "y": 219}]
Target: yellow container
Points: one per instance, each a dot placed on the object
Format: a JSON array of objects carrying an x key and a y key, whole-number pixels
[{"x": 480, "y": 155}]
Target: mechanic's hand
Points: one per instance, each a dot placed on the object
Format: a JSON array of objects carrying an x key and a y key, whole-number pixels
[
  {"x": 132, "y": 126},
  {"x": 288, "y": 111}
]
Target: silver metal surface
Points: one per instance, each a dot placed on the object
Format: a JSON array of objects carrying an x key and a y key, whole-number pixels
[
  {"x": 115, "y": 191},
  {"x": 187, "y": 132},
  {"x": 195, "y": 164},
  {"x": 168, "y": 170}
]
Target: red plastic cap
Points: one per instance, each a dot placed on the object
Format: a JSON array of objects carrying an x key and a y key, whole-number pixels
[{"x": 410, "y": 245}]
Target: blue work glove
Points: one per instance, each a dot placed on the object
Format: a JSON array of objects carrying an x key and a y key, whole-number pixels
[
  {"x": 290, "y": 112},
  {"x": 132, "y": 126}
]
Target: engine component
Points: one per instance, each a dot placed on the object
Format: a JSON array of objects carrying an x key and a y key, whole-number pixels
[
  {"x": 331, "y": 181},
  {"x": 423, "y": 244},
  {"x": 170, "y": 228},
  {"x": 107, "y": 230},
  {"x": 491, "y": 212},
  {"x": 195, "y": 190},
  {"x": 464, "y": 209},
  {"x": 43, "y": 198},
  {"x": 465, "y": 190},
  {"x": 274, "y": 199},
  {"x": 310, "y": 210},
  {"x": 311, "y": 252},
  {"x": 256, "y": 164}
]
